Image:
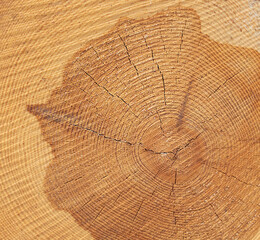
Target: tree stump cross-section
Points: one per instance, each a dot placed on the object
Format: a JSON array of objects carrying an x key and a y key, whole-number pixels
[{"x": 155, "y": 133}]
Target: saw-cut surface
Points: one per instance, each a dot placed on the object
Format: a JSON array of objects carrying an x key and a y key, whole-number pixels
[{"x": 155, "y": 133}]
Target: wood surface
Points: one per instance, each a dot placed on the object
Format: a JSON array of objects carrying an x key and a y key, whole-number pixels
[{"x": 130, "y": 119}]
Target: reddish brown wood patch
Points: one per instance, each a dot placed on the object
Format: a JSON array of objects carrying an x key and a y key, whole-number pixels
[{"x": 155, "y": 133}]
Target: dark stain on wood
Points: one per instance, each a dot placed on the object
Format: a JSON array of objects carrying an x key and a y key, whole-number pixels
[{"x": 123, "y": 172}]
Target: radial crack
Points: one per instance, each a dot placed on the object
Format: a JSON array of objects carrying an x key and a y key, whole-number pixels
[
  {"x": 138, "y": 210},
  {"x": 98, "y": 55},
  {"x": 232, "y": 176},
  {"x": 111, "y": 94},
  {"x": 161, "y": 123},
  {"x": 70, "y": 120},
  {"x": 181, "y": 41},
  {"x": 215, "y": 212},
  {"x": 97, "y": 82},
  {"x": 223, "y": 84},
  {"x": 128, "y": 54},
  {"x": 158, "y": 67},
  {"x": 175, "y": 151},
  {"x": 163, "y": 82},
  {"x": 183, "y": 105}
]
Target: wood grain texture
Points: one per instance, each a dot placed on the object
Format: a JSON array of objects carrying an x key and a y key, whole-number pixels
[{"x": 210, "y": 126}]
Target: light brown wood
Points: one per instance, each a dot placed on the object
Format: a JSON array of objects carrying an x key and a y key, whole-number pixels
[{"x": 130, "y": 120}]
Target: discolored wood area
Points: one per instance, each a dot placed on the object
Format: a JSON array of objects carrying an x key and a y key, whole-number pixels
[
  {"x": 129, "y": 119},
  {"x": 155, "y": 133}
]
